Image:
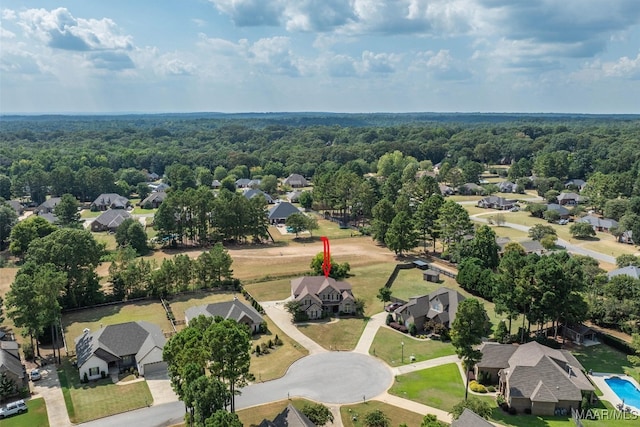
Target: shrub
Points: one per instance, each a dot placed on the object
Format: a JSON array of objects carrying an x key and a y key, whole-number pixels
[
  {"x": 27, "y": 350},
  {"x": 263, "y": 328},
  {"x": 103, "y": 374},
  {"x": 85, "y": 378},
  {"x": 412, "y": 329},
  {"x": 264, "y": 348},
  {"x": 398, "y": 327},
  {"x": 484, "y": 377},
  {"x": 512, "y": 410},
  {"x": 389, "y": 319},
  {"x": 277, "y": 340},
  {"x": 500, "y": 400},
  {"x": 477, "y": 387},
  {"x": 270, "y": 343},
  {"x": 491, "y": 389},
  {"x": 257, "y": 349}
]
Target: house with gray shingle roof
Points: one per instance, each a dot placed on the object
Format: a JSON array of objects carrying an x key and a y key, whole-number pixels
[
  {"x": 507, "y": 187},
  {"x": 234, "y": 310},
  {"x": 11, "y": 365},
  {"x": 154, "y": 200},
  {"x": 534, "y": 377},
  {"x": 295, "y": 180},
  {"x": 440, "y": 306},
  {"x": 281, "y": 211},
  {"x": 495, "y": 202},
  {"x": 468, "y": 418},
  {"x": 570, "y": 199},
  {"x": 564, "y": 212},
  {"x": 599, "y": 224},
  {"x": 109, "y": 220},
  {"x": 48, "y": 205},
  {"x": 577, "y": 183},
  {"x": 109, "y": 201},
  {"x": 121, "y": 346},
  {"x": 17, "y": 206},
  {"x": 630, "y": 270},
  {"x": 320, "y": 295},
  {"x": 289, "y": 417},
  {"x": 253, "y": 192}
]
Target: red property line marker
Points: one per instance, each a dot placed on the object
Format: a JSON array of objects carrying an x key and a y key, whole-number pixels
[{"x": 326, "y": 263}]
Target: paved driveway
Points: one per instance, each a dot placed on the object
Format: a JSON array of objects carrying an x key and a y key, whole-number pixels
[
  {"x": 160, "y": 388},
  {"x": 49, "y": 388}
]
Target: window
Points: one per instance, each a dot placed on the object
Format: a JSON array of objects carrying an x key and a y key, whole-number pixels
[{"x": 94, "y": 371}]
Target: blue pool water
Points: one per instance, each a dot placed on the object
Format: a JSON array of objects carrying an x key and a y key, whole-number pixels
[{"x": 625, "y": 390}]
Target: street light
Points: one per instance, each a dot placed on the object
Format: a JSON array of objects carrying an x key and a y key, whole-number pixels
[{"x": 402, "y": 346}]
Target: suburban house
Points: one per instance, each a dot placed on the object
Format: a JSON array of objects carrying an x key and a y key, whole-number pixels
[
  {"x": 11, "y": 365},
  {"x": 626, "y": 237},
  {"x": 234, "y": 310},
  {"x": 507, "y": 187},
  {"x": 48, "y": 205},
  {"x": 440, "y": 306},
  {"x": 320, "y": 295},
  {"x": 109, "y": 220},
  {"x": 154, "y": 200},
  {"x": 445, "y": 190},
  {"x": 17, "y": 206},
  {"x": 495, "y": 202},
  {"x": 577, "y": 183},
  {"x": 564, "y": 212},
  {"x": 52, "y": 218},
  {"x": 599, "y": 224},
  {"x": 570, "y": 199},
  {"x": 295, "y": 180},
  {"x": 281, "y": 211},
  {"x": 152, "y": 176},
  {"x": 470, "y": 188},
  {"x": 109, "y": 201},
  {"x": 216, "y": 184},
  {"x": 529, "y": 246},
  {"x": 468, "y": 418},
  {"x": 242, "y": 182},
  {"x": 294, "y": 196},
  {"x": 630, "y": 270},
  {"x": 535, "y": 377},
  {"x": 289, "y": 417},
  {"x": 158, "y": 187},
  {"x": 251, "y": 193},
  {"x": 117, "y": 347}
]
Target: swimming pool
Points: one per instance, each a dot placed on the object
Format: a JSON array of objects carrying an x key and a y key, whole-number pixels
[{"x": 625, "y": 390}]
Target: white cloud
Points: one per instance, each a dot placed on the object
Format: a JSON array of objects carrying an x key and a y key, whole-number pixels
[
  {"x": 379, "y": 63},
  {"x": 623, "y": 68}
]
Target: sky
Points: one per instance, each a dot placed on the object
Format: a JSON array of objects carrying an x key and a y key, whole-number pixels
[{"x": 153, "y": 56}]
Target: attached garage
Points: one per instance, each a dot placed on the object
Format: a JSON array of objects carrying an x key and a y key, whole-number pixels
[{"x": 153, "y": 368}]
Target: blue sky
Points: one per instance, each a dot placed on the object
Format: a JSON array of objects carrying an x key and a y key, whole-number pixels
[{"x": 97, "y": 56}]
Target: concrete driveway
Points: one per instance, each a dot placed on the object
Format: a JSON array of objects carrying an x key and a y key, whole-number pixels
[
  {"x": 160, "y": 388},
  {"x": 49, "y": 388}
]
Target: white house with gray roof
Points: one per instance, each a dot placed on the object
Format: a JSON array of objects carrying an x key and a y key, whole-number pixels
[
  {"x": 535, "y": 377},
  {"x": 234, "y": 310},
  {"x": 630, "y": 270},
  {"x": 121, "y": 346},
  {"x": 109, "y": 220},
  {"x": 320, "y": 295}
]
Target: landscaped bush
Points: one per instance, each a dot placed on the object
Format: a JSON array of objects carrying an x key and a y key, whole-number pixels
[
  {"x": 277, "y": 340},
  {"x": 413, "y": 330},
  {"x": 85, "y": 378},
  {"x": 389, "y": 319},
  {"x": 512, "y": 410},
  {"x": 399, "y": 327},
  {"x": 477, "y": 387},
  {"x": 484, "y": 378},
  {"x": 491, "y": 389},
  {"x": 527, "y": 411},
  {"x": 500, "y": 400},
  {"x": 615, "y": 343}
]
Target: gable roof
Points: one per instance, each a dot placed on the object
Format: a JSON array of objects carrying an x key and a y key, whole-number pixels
[
  {"x": 568, "y": 196},
  {"x": 422, "y": 305},
  {"x": 289, "y": 417},
  {"x": 468, "y": 418},
  {"x": 630, "y": 270},
  {"x": 599, "y": 222},
  {"x": 235, "y": 310},
  {"x": 115, "y": 341},
  {"x": 296, "y": 180},
  {"x": 52, "y": 218},
  {"x": 559, "y": 208},
  {"x": 16, "y": 205},
  {"x": 49, "y": 204},
  {"x": 282, "y": 210},
  {"x": 315, "y": 284},
  {"x": 499, "y": 201},
  {"x": 251, "y": 193},
  {"x": 157, "y": 197},
  {"x": 112, "y": 218},
  {"x": 112, "y": 200},
  {"x": 11, "y": 363},
  {"x": 495, "y": 355}
]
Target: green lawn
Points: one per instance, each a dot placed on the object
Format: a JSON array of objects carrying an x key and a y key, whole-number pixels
[
  {"x": 273, "y": 290},
  {"x": 86, "y": 213},
  {"x": 396, "y": 415},
  {"x": 140, "y": 211},
  {"x": 603, "y": 358},
  {"x": 342, "y": 335},
  {"x": 101, "y": 398},
  {"x": 387, "y": 346},
  {"x": 367, "y": 280},
  {"x": 36, "y": 416},
  {"x": 440, "y": 387},
  {"x": 93, "y": 318}
]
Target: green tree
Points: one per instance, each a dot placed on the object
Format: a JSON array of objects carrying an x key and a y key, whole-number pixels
[
  {"x": 548, "y": 242},
  {"x": 431, "y": 420},
  {"x": 453, "y": 222},
  {"x": 483, "y": 246},
  {"x": 207, "y": 395},
  {"x": 383, "y": 214},
  {"x": 615, "y": 208},
  {"x": 551, "y": 215},
  {"x": 470, "y": 325},
  {"x": 142, "y": 190},
  {"x": 384, "y": 294},
  {"x": 180, "y": 176},
  {"x": 214, "y": 266},
  {"x": 635, "y": 344},
  {"x": 538, "y": 231},
  {"x": 625, "y": 260},
  {"x": 25, "y": 232},
  {"x": 338, "y": 271},
  {"x": 8, "y": 218},
  {"x": 8, "y": 387},
  {"x": 582, "y": 230},
  {"x": 222, "y": 418},
  {"x": 230, "y": 346},
  {"x": 67, "y": 211},
  {"x": 401, "y": 235},
  {"x": 269, "y": 184},
  {"x": 377, "y": 418},
  {"x": 298, "y": 222},
  {"x": 480, "y": 407},
  {"x": 318, "y": 413},
  {"x": 131, "y": 233},
  {"x": 426, "y": 216},
  {"x": 5, "y": 187},
  {"x": 76, "y": 253},
  {"x": 306, "y": 199}
]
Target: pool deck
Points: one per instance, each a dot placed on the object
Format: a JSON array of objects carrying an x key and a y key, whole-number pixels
[{"x": 599, "y": 378}]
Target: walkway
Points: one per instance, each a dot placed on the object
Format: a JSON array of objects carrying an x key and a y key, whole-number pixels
[
  {"x": 370, "y": 331},
  {"x": 49, "y": 388},
  {"x": 278, "y": 315}
]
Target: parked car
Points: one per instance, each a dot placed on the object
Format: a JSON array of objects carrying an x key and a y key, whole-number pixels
[
  {"x": 13, "y": 408},
  {"x": 35, "y": 375},
  {"x": 393, "y": 306},
  {"x": 563, "y": 221}
]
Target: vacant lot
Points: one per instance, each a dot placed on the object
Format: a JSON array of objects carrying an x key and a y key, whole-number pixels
[
  {"x": 387, "y": 345},
  {"x": 101, "y": 398},
  {"x": 95, "y": 318}
]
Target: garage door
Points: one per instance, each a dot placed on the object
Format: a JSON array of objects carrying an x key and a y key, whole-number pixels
[{"x": 155, "y": 368}]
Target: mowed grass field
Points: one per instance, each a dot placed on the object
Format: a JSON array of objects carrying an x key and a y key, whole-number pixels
[
  {"x": 35, "y": 417},
  {"x": 387, "y": 345},
  {"x": 396, "y": 415},
  {"x": 93, "y": 318}
]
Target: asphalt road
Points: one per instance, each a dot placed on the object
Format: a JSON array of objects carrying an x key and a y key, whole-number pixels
[{"x": 331, "y": 377}]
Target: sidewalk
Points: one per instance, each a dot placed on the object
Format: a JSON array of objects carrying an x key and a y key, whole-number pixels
[
  {"x": 369, "y": 333},
  {"x": 49, "y": 388}
]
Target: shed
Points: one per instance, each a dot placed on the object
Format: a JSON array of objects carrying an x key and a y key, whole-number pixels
[
  {"x": 431, "y": 276},
  {"x": 422, "y": 265}
]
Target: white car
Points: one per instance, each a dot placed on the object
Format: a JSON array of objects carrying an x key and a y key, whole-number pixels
[
  {"x": 35, "y": 375},
  {"x": 13, "y": 408}
]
